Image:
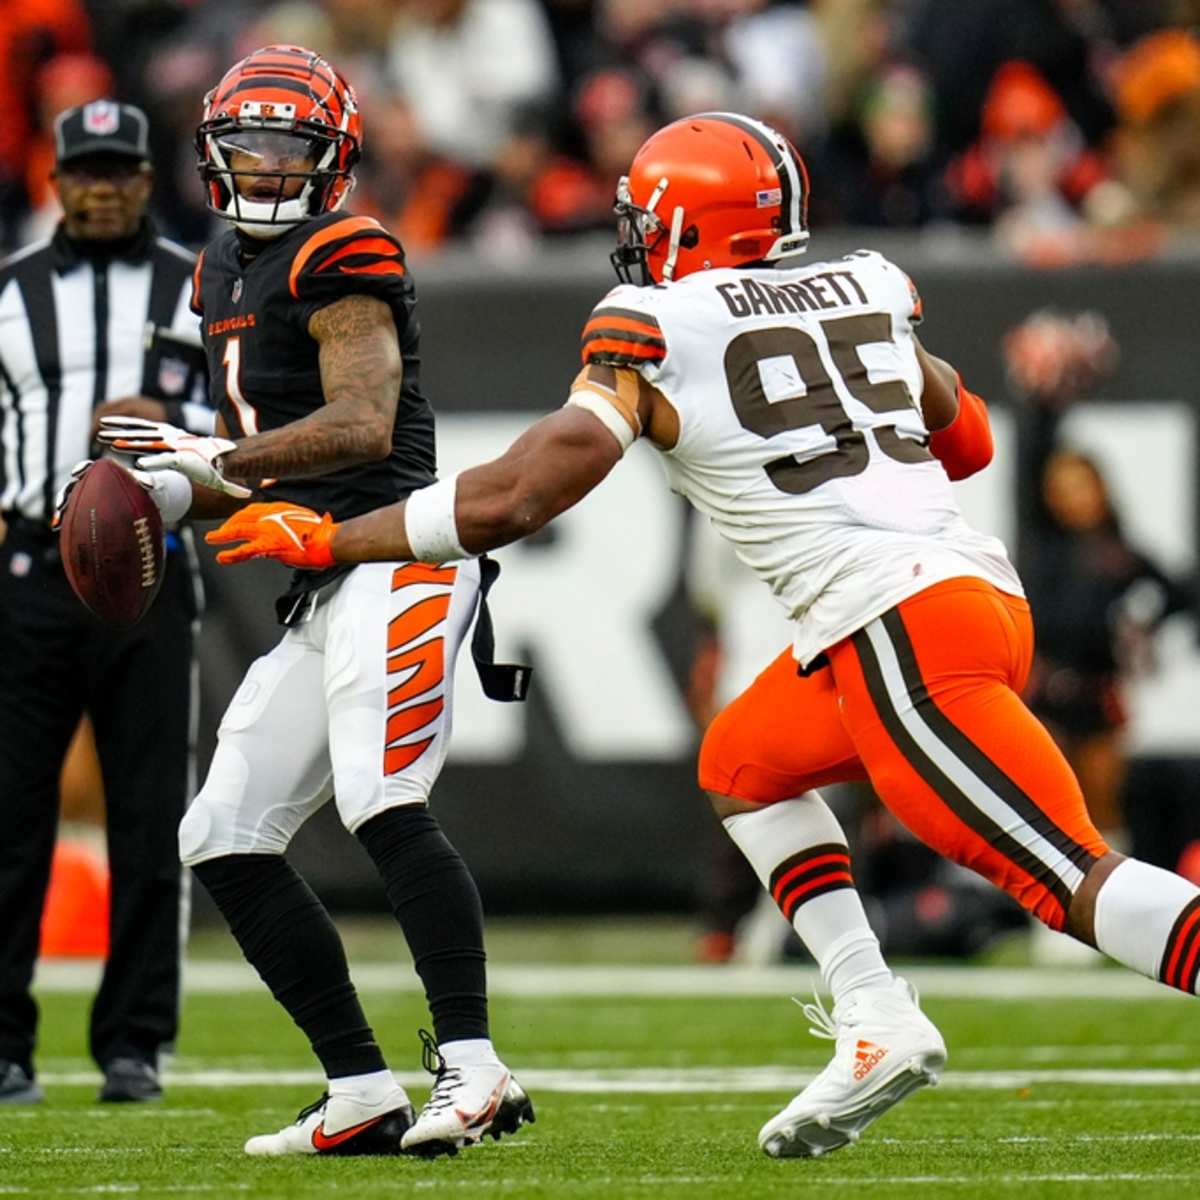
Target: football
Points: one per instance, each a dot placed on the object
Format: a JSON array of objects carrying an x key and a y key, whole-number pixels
[{"x": 111, "y": 543}]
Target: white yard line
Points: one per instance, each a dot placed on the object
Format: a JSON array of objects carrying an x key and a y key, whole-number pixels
[
  {"x": 654, "y": 1081},
  {"x": 565, "y": 1187},
  {"x": 985, "y": 983}
]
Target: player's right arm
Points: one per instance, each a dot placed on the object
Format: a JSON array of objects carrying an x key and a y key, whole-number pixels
[
  {"x": 547, "y": 470},
  {"x": 957, "y": 420}
]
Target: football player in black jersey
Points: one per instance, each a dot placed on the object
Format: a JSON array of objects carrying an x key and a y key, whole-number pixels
[{"x": 311, "y": 334}]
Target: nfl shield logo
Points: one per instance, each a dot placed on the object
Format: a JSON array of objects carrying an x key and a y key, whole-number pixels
[
  {"x": 172, "y": 376},
  {"x": 237, "y": 290},
  {"x": 101, "y": 117}
]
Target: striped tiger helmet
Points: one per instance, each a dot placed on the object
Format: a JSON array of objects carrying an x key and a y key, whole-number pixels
[
  {"x": 713, "y": 190},
  {"x": 289, "y": 124}
]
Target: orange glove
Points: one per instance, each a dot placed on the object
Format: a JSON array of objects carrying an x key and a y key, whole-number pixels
[{"x": 290, "y": 533}]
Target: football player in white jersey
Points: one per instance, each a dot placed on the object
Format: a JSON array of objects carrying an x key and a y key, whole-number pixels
[{"x": 794, "y": 406}]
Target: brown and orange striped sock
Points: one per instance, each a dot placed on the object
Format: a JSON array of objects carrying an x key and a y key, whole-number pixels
[
  {"x": 798, "y": 850},
  {"x": 1149, "y": 919}
]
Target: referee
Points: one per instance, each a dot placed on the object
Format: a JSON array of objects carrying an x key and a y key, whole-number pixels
[{"x": 93, "y": 321}]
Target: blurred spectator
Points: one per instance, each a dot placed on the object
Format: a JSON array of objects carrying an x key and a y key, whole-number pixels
[
  {"x": 1031, "y": 173},
  {"x": 425, "y": 198},
  {"x": 573, "y": 27},
  {"x": 780, "y": 62},
  {"x": 1157, "y": 89},
  {"x": 31, "y": 33},
  {"x": 467, "y": 68},
  {"x": 879, "y": 170},
  {"x": 1097, "y": 599},
  {"x": 964, "y": 44},
  {"x": 859, "y": 36},
  {"x": 615, "y": 113}
]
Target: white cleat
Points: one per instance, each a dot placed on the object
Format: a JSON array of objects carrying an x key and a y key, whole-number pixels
[
  {"x": 466, "y": 1103},
  {"x": 885, "y": 1048},
  {"x": 341, "y": 1125}
]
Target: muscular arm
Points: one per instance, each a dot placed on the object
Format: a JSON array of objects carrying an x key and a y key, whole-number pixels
[
  {"x": 548, "y": 469},
  {"x": 360, "y": 377},
  {"x": 961, "y": 435},
  {"x": 939, "y": 399}
]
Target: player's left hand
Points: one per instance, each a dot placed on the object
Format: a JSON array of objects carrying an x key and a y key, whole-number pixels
[
  {"x": 288, "y": 533},
  {"x": 194, "y": 456}
]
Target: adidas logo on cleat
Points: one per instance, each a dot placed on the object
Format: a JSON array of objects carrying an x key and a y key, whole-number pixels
[{"x": 866, "y": 1057}]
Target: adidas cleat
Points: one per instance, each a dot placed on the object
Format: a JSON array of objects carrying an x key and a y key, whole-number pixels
[
  {"x": 467, "y": 1103},
  {"x": 341, "y": 1125},
  {"x": 885, "y": 1049}
]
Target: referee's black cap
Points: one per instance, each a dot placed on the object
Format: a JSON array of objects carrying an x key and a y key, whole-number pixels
[{"x": 101, "y": 127}]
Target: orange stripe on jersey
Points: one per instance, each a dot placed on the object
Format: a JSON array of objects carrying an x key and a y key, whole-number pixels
[
  {"x": 427, "y": 663},
  {"x": 623, "y": 324},
  {"x": 331, "y": 233},
  {"x": 603, "y": 345},
  {"x": 389, "y": 267},
  {"x": 409, "y": 720},
  {"x": 417, "y": 621},
  {"x": 396, "y": 758},
  {"x": 422, "y": 573},
  {"x": 362, "y": 246},
  {"x": 194, "y": 302}
]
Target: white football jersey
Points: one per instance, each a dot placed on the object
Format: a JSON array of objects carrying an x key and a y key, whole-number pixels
[{"x": 801, "y": 435}]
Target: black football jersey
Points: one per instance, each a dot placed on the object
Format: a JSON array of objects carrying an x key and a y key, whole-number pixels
[{"x": 263, "y": 363}]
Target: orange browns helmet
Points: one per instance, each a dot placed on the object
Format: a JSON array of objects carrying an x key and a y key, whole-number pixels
[
  {"x": 713, "y": 190},
  {"x": 285, "y": 104}
]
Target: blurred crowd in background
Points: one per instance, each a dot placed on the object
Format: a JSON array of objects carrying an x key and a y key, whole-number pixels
[{"x": 1070, "y": 128}]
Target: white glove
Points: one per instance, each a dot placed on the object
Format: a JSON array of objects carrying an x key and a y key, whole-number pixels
[
  {"x": 170, "y": 491},
  {"x": 192, "y": 455}
]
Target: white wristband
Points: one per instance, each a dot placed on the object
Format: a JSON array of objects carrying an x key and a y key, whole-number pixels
[
  {"x": 429, "y": 523},
  {"x": 172, "y": 492}
]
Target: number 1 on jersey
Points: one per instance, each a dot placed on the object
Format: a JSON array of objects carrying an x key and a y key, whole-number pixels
[{"x": 247, "y": 417}]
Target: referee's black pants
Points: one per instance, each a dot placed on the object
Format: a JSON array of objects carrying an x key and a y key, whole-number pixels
[{"x": 57, "y": 662}]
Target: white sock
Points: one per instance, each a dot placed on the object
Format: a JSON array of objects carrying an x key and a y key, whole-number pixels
[
  {"x": 371, "y": 1088},
  {"x": 1149, "y": 919},
  {"x": 799, "y": 853},
  {"x": 469, "y": 1052},
  {"x": 854, "y": 960}
]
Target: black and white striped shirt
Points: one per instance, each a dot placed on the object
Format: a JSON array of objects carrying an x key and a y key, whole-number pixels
[{"x": 73, "y": 333}]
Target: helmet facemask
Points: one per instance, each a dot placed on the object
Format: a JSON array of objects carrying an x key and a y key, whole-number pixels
[
  {"x": 639, "y": 233},
  {"x": 266, "y": 175}
]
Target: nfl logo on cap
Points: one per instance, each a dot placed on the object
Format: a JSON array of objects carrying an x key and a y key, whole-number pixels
[
  {"x": 101, "y": 127},
  {"x": 101, "y": 117}
]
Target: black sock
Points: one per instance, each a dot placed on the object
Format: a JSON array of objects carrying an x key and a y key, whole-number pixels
[
  {"x": 437, "y": 904},
  {"x": 287, "y": 936}
]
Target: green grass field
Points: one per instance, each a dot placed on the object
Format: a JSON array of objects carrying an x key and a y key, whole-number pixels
[{"x": 650, "y": 1093}]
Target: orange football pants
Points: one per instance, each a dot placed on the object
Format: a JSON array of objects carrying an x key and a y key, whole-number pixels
[{"x": 924, "y": 701}]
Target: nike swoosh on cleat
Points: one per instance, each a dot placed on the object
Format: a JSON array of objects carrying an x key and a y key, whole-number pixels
[
  {"x": 323, "y": 1141},
  {"x": 486, "y": 1113}
]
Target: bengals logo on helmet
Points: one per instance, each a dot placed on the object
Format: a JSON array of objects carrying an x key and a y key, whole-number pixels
[
  {"x": 712, "y": 190},
  {"x": 284, "y": 90}
]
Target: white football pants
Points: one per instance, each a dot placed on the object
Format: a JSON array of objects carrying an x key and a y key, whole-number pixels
[{"x": 358, "y": 696}]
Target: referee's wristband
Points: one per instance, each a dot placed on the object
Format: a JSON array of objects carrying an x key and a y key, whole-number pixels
[{"x": 429, "y": 523}]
